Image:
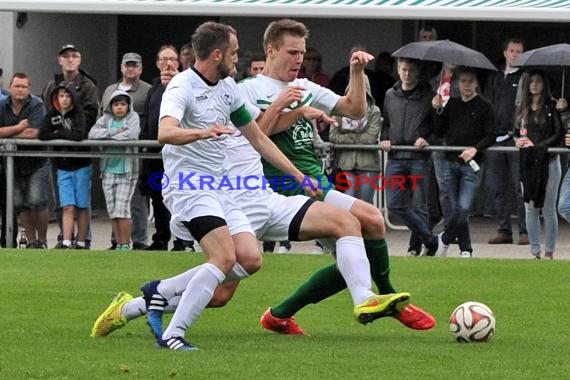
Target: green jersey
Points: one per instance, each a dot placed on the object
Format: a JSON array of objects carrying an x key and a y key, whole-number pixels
[{"x": 297, "y": 141}]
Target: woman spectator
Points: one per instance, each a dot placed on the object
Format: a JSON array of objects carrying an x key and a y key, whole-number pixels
[
  {"x": 538, "y": 127},
  {"x": 354, "y": 163}
]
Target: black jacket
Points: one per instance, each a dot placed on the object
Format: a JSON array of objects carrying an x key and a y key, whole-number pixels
[{"x": 67, "y": 126}]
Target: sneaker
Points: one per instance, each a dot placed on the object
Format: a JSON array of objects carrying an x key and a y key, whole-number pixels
[
  {"x": 40, "y": 245},
  {"x": 280, "y": 325},
  {"x": 415, "y": 318},
  {"x": 466, "y": 254},
  {"x": 155, "y": 305},
  {"x": 123, "y": 248},
  {"x": 31, "y": 245},
  {"x": 523, "y": 239},
  {"x": 380, "y": 305},
  {"x": 112, "y": 247},
  {"x": 412, "y": 252},
  {"x": 157, "y": 246},
  {"x": 180, "y": 245},
  {"x": 441, "y": 246},
  {"x": 501, "y": 239},
  {"x": 111, "y": 319},
  {"x": 549, "y": 255},
  {"x": 139, "y": 246},
  {"x": 283, "y": 250},
  {"x": 175, "y": 343}
]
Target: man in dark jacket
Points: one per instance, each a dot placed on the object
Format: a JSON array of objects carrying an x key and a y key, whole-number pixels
[
  {"x": 501, "y": 92},
  {"x": 69, "y": 58},
  {"x": 407, "y": 121}
]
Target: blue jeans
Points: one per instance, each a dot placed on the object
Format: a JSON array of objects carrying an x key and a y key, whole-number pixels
[
  {"x": 462, "y": 183},
  {"x": 398, "y": 199},
  {"x": 564, "y": 202},
  {"x": 505, "y": 166},
  {"x": 548, "y": 212},
  {"x": 439, "y": 160},
  {"x": 364, "y": 192}
]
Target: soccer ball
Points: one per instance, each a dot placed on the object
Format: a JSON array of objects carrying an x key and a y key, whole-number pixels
[{"x": 472, "y": 322}]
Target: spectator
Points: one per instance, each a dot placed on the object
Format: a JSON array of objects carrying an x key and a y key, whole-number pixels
[
  {"x": 255, "y": 66},
  {"x": 65, "y": 120},
  {"x": 187, "y": 58},
  {"x": 21, "y": 117},
  {"x": 131, "y": 68},
  {"x": 427, "y": 33},
  {"x": 312, "y": 68},
  {"x": 445, "y": 85},
  {"x": 466, "y": 120},
  {"x": 3, "y": 93},
  {"x": 501, "y": 91},
  {"x": 353, "y": 163},
  {"x": 69, "y": 58},
  {"x": 428, "y": 69},
  {"x": 383, "y": 78},
  {"x": 165, "y": 62},
  {"x": 119, "y": 173},
  {"x": 564, "y": 201},
  {"x": 407, "y": 121},
  {"x": 538, "y": 127}
]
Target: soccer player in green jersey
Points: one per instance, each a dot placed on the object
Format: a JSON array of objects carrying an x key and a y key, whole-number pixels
[{"x": 284, "y": 43}]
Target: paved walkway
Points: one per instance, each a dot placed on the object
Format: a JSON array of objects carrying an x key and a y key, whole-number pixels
[{"x": 481, "y": 229}]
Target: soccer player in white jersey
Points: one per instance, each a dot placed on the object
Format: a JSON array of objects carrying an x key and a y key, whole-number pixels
[
  {"x": 196, "y": 109},
  {"x": 284, "y": 43},
  {"x": 272, "y": 216}
]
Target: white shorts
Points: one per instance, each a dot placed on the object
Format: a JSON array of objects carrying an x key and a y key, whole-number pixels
[
  {"x": 186, "y": 205},
  {"x": 270, "y": 214}
]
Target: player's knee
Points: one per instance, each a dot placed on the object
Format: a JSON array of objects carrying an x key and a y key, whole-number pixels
[
  {"x": 347, "y": 225},
  {"x": 252, "y": 264},
  {"x": 372, "y": 222}
]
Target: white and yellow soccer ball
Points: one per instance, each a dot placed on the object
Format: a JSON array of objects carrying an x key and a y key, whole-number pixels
[{"x": 472, "y": 322}]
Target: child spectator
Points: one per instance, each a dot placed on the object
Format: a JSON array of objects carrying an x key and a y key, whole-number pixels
[
  {"x": 65, "y": 120},
  {"x": 119, "y": 173}
]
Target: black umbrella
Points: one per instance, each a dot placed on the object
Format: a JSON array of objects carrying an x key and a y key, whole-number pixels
[
  {"x": 547, "y": 56},
  {"x": 444, "y": 51}
]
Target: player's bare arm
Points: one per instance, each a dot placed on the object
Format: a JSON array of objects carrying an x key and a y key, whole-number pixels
[
  {"x": 169, "y": 132},
  {"x": 353, "y": 104}
]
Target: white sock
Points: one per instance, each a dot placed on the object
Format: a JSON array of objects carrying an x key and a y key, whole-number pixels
[
  {"x": 236, "y": 273},
  {"x": 134, "y": 308},
  {"x": 353, "y": 264},
  {"x": 66, "y": 243},
  {"x": 194, "y": 300},
  {"x": 175, "y": 286}
]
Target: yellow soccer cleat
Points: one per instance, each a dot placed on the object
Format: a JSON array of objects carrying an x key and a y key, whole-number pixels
[
  {"x": 111, "y": 319},
  {"x": 381, "y": 305}
]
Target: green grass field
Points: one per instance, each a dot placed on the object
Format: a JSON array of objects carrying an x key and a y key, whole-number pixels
[{"x": 51, "y": 298}]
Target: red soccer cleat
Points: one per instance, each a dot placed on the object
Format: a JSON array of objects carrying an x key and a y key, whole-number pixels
[
  {"x": 281, "y": 325},
  {"x": 415, "y": 318}
]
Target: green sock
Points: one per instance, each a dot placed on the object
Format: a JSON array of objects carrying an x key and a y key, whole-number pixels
[
  {"x": 321, "y": 285},
  {"x": 377, "y": 252}
]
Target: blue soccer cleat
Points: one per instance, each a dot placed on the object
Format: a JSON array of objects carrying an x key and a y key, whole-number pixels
[
  {"x": 155, "y": 305},
  {"x": 175, "y": 343}
]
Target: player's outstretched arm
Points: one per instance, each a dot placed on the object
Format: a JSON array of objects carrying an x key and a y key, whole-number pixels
[
  {"x": 169, "y": 132},
  {"x": 353, "y": 104}
]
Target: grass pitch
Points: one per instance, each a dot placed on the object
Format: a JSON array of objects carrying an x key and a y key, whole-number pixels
[{"x": 51, "y": 298}]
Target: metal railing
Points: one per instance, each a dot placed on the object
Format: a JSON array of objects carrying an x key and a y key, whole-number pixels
[{"x": 10, "y": 148}]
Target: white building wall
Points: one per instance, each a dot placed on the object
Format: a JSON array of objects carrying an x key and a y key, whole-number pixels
[
  {"x": 333, "y": 38},
  {"x": 37, "y": 43},
  {"x": 6, "y": 46}
]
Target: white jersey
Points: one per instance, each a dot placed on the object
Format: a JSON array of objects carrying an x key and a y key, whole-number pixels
[{"x": 197, "y": 104}]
